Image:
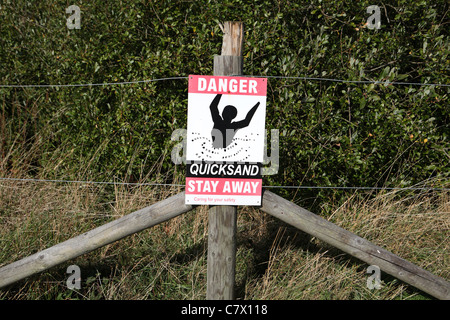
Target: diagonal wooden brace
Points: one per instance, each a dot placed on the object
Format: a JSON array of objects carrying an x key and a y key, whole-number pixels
[{"x": 94, "y": 239}]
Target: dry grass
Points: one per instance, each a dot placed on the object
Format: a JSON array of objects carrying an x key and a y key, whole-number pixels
[
  {"x": 415, "y": 228},
  {"x": 274, "y": 261}
]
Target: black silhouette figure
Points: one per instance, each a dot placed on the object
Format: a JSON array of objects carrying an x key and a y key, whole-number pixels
[{"x": 224, "y": 129}]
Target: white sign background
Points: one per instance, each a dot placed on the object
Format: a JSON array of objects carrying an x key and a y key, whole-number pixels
[{"x": 247, "y": 144}]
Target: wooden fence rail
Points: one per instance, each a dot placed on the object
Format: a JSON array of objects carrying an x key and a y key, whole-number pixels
[
  {"x": 354, "y": 245},
  {"x": 94, "y": 239},
  {"x": 271, "y": 204}
]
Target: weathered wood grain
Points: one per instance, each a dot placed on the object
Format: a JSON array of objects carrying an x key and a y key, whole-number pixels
[
  {"x": 221, "y": 253},
  {"x": 233, "y": 38},
  {"x": 228, "y": 65},
  {"x": 96, "y": 238},
  {"x": 222, "y": 219},
  {"x": 355, "y": 245}
]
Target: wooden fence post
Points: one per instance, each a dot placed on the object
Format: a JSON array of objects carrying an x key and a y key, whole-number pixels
[{"x": 223, "y": 219}]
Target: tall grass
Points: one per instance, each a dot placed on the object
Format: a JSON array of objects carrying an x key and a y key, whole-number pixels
[
  {"x": 168, "y": 261},
  {"x": 415, "y": 227}
]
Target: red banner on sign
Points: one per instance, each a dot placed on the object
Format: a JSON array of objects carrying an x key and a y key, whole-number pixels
[
  {"x": 227, "y": 85},
  {"x": 224, "y": 186}
]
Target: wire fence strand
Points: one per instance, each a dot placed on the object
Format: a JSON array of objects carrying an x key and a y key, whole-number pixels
[
  {"x": 386, "y": 83},
  {"x": 85, "y": 84},
  {"x": 185, "y": 77}
]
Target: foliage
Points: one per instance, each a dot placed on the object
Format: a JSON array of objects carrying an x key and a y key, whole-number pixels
[
  {"x": 331, "y": 133},
  {"x": 169, "y": 261}
]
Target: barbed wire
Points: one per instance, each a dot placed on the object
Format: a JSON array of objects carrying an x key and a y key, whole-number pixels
[
  {"x": 91, "y": 182},
  {"x": 185, "y": 77},
  {"x": 183, "y": 185},
  {"x": 386, "y": 83},
  {"x": 85, "y": 84}
]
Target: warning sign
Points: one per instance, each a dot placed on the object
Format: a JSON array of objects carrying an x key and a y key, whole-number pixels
[{"x": 225, "y": 140}]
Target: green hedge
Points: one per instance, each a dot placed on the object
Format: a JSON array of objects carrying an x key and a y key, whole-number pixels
[{"x": 331, "y": 133}]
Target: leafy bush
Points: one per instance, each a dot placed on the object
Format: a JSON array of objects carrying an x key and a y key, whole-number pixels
[{"x": 331, "y": 133}]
